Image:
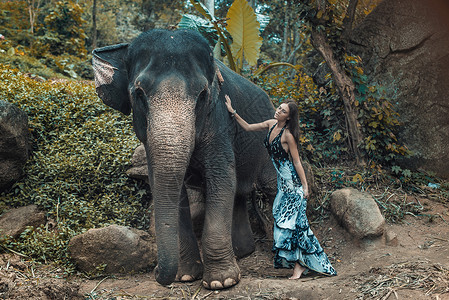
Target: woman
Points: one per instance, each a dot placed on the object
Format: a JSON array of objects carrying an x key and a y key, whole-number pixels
[{"x": 295, "y": 246}]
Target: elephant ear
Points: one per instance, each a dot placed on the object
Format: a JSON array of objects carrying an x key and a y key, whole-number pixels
[{"x": 111, "y": 76}]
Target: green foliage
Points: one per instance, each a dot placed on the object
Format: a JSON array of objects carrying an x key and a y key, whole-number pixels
[
  {"x": 34, "y": 54},
  {"x": 70, "y": 66},
  {"x": 50, "y": 66},
  {"x": 46, "y": 244},
  {"x": 396, "y": 194},
  {"x": 329, "y": 21},
  {"x": 377, "y": 117},
  {"x": 14, "y": 22},
  {"x": 325, "y": 137},
  {"x": 203, "y": 26},
  {"x": 64, "y": 33},
  {"x": 59, "y": 32},
  {"x": 28, "y": 64},
  {"x": 77, "y": 170}
]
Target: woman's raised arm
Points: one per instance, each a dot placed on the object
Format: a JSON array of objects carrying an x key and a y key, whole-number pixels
[{"x": 247, "y": 127}]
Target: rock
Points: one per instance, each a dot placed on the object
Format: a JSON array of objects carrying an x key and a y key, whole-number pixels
[
  {"x": 358, "y": 213},
  {"x": 391, "y": 238},
  {"x": 14, "y": 143},
  {"x": 15, "y": 221},
  {"x": 404, "y": 45},
  {"x": 118, "y": 249},
  {"x": 139, "y": 169}
]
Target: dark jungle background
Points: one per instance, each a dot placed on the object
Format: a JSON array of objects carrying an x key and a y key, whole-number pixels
[{"x": 82, "y": 149}]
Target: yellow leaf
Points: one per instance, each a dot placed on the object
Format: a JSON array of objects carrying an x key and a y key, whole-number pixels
[
  {"x": 244, "y": 29},
  {"x": 337, "y": 136},
  {"x": 373, "y": 124},
  {"x": 11, "y": 51},
  {"x": 357, "y": 178}
]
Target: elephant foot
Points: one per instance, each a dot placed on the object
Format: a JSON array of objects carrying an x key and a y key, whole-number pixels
[
  {"x": 217, "y": 280},
  {"x": 188, "y": 272}
]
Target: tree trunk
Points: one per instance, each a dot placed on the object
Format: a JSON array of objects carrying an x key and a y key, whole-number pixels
[
  {"x": 285, "y": 39},
  {"x": 298, "y": 44},
  {"x": 94, "y": 24},
  {"x": 349, "y": 20},
  {"x": 346, "y": 89},
  {"x": 31, "y": 14}
]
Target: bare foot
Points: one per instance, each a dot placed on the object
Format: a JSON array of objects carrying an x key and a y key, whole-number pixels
[{"x": 297, "y": 271}]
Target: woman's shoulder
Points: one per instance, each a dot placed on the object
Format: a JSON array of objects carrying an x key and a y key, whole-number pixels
[
  {"x": 288, "y": 135},
  {"x": 270, "y": 122},
  {"x": 287, "y": 132}
]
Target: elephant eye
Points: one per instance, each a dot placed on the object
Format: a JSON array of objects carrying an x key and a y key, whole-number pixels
[
  {"x": 203, "y": 96},
  {"x": 140, "y": 98}
]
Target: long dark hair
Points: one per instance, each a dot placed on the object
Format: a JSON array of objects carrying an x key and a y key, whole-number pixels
[{"x": 293, "y": 123}]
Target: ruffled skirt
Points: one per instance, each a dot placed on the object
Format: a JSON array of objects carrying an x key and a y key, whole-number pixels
[{"x": 294, "y": 241}]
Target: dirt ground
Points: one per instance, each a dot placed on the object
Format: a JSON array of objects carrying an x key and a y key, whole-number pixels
[{"x": 413, "y": 264}]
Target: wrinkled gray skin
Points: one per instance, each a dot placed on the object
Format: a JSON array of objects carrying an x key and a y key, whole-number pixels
[{"x": 169, "y": 81}]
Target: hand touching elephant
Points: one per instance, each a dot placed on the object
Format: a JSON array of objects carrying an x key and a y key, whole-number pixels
[{"x": 175, "y": 89}]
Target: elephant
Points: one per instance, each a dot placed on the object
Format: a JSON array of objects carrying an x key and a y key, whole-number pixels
[{"x": 175, "y": 89}]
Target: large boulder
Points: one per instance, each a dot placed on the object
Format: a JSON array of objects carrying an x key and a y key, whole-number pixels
[
  {"x": 358, "y": 213},
  {"x": 113, "y": 249},
  {"x": 16, "y": 220},
  {"x": 14, "y": 143},
  {"x": 139, "y": 169},
  {"x": 404, "y": 44}
]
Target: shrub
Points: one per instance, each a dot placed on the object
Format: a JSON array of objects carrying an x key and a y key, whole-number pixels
[
  {"x": 77, "y": 170},
  {"x": 325, "y": 135},
  {"x": 27, "y": 64}
]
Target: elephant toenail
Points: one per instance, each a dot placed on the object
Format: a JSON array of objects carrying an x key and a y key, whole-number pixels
[
  {"x": 216, "y": 285},
  {"x": 229, "y": 282},
  {"x": 186, "y": 278},
  {"x": 205, "y": 284}
]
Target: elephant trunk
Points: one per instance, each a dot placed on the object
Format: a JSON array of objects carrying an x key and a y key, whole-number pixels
[
  {"x": 169, "y": 147},
  {"x": 166, "y": 210}
]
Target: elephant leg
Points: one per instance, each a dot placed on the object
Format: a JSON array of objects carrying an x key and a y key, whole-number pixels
[
  {"x": 242, "y": 235},
  {"x": 190, "y": 267},
  {"x": 220, "y": 266}
]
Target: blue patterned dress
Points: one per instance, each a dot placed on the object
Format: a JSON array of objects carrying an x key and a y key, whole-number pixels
[{"x": 294, "y": 241}]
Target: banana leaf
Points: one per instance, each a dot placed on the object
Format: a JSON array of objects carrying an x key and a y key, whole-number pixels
[
  {"x": 244, "y": 29},
  {"x": 204, "y": 27}
]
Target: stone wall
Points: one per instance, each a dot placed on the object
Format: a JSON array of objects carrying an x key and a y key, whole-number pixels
[{"x": 404, "y": 45}]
